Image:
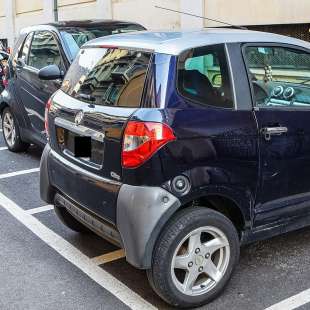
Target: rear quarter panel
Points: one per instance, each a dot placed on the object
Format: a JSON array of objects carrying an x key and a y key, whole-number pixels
[{"x": 216, "y": 148}]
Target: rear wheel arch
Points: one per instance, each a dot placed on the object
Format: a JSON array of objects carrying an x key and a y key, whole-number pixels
[
  {"x": 18, "y": 116},
  {"x": 223, "y": 204},
  {"x": 3, "y": 105}
]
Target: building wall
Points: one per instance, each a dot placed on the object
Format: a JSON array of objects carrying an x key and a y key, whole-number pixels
[
  {"x": 258, "y": 12},
  {"x": 2, "y": 15},
  {"x": 144, "y": 12},
  {"x": 28, "y": 13},
  {"x": 77, "y": 9},
  {"x": 16, "y": 14}
]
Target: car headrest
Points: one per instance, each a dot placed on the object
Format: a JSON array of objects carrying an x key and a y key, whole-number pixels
[{"x": 197, "y": 83}]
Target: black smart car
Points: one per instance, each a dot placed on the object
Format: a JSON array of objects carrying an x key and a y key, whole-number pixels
[
  {"x": 40, "y": 49},
  {"x": 180, "y": 147}
]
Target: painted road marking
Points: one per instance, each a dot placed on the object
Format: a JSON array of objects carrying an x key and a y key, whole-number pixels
[
  {"x": 21, "y": 172},
  {"x": 109, "y": 257},
  {"x": 77, "y": 258},
  {"x": 293, "y": 302},
  {"x": 2, "y": 148},
  {"x": 40, "y": 209}
]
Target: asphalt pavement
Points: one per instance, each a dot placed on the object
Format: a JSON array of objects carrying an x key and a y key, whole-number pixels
[{"x": 44, "y": 265}]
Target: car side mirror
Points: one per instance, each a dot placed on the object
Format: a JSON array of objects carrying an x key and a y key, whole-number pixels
[{"x": 51, "y": 72}]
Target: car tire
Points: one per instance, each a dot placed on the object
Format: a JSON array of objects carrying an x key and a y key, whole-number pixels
[
  {"x": 183, "y": 251},
  {"x": 11, "y": 132},
  {"x": 68, "y": 220}
]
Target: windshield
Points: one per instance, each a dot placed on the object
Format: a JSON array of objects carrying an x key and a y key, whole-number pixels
[{"x": 75, "y": 37}]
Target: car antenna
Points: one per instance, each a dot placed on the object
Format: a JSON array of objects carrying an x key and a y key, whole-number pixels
[{"x": 198, "y": 16}]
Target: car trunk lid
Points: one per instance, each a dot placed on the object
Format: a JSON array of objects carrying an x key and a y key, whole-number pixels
[{"x": 102, "y": 89}]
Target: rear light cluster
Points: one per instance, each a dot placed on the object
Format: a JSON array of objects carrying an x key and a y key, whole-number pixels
[
  {"x": 142, "y": 140},
  {"x": 47, "y": 109},
  {"x": 5, "y": 80}
]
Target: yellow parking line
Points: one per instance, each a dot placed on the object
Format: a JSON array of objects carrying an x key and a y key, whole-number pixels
[{"x": 109, "y": 257}]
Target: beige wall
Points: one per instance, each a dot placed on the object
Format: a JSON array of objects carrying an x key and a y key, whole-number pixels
[
  {"x": 25, "y": 6},
  {"x": 2, "y": 17},
  {"x": 77, "y": 9},
  {"x": 28, "y": 12},
  {"x": 72, "y": 2},
  {"x": 28, "y": 19},
  {"x": 2, "y": 9},
  {"x": 258, "y": 12},
  {"x": 144, "y": 12},
  {"x": 16, "y": 14}
]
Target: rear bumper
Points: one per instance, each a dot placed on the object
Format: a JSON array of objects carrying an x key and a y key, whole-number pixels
[{"x": 140, "y": 212}]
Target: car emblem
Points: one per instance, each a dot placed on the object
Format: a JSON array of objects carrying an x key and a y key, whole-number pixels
[{"x": 78, "y": 118}]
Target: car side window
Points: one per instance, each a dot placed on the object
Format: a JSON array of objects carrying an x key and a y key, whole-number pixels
[
  {"x": 203, "y": 76},
  {"x": 23, "y": 54},
  {"x": 44, "y": 51},
  {"x": 280, "y": 76}
]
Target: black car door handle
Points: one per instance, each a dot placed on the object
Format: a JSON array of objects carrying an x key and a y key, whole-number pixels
[{"x": 269, "y": 131}]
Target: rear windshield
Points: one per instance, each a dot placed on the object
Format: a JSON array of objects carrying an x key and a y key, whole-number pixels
[
  {"x": 75, "y": 37},
  {"x": 108, "y": 76}
]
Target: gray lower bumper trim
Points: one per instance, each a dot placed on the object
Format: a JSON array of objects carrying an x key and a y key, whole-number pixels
[
  {"x": 142, "y": 213},
  {"x": 102, "y": 229},
  {"x": 47, "y": 192}
]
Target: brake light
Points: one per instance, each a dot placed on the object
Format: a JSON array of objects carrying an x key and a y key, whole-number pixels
[
  {"x": 108, "y": 46},
  {"x": 5, "y": 80},
  {"x": 142, "y": 140},
  {"x": 47, "y": 109}
]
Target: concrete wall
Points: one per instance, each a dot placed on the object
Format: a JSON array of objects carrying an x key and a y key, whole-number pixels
[
  {"x": 2, "y": 17},
  {"x": 16, "y": 14},
  {"x": 144, "y": 12},
  {"x": 28, "y": 13},
  {"x": 77, "y": 9},
  {"x": 258, "y": 12}
]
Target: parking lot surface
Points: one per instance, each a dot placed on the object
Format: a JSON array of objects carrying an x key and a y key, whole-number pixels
[{"x": 44, "y": 265}]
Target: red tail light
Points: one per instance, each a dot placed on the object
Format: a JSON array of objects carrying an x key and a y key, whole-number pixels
[
  {"x": 142, "y": 140},
  {"x": 47, "y": 108},
  {"x": 5, "y": 80}
]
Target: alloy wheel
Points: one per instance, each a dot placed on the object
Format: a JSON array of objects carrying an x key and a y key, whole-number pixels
[
  {"x": 9, "y": 129},
  {"x": 200, "y": 261}
]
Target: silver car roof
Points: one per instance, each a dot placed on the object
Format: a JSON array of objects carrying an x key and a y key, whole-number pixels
[{"x": 175, "y": 42}]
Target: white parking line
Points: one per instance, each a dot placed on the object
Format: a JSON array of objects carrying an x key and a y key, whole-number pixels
[
  {"x": 293, "y": 302},
  {"x": 40, "y": 209},
  {"x": 21, "y": 172},
  {"x": 2, "y": 148},
  {"x": 74, "y": 256}
]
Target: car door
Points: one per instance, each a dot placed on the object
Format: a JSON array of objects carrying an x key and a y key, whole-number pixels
[
  {"x": 279, "y": 77},
  {"x": 34, "y": 92}
]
